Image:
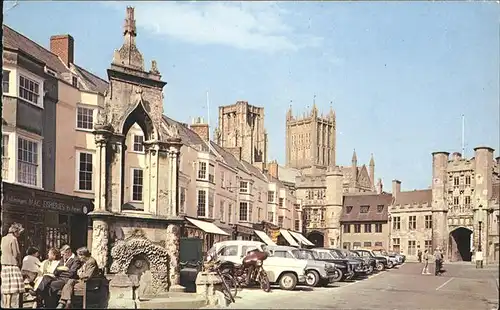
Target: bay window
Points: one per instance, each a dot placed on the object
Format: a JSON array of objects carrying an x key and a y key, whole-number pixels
[{"x": 27, "y": 161}]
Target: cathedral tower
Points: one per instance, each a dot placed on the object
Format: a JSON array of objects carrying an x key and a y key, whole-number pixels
[
  {"x": 241, "y": 126},
  {"x": 310, "y": 139}
]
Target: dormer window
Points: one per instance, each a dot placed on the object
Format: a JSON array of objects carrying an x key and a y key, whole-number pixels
[
  {"x": 348, "y": 209},
  {"x": 364, "y": 209},
  {"x": 49, "y": 71}
]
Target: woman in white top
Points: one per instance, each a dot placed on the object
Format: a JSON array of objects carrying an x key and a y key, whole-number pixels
[
  {"x": 48, "y": 266},
  {"x": 31, "y": 265}
]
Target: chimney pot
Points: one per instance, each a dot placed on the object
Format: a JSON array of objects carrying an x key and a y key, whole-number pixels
[{"x": 64, "y": 47}]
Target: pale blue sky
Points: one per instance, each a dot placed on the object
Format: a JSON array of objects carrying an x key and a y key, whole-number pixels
[{"x": 400, "y": 74}]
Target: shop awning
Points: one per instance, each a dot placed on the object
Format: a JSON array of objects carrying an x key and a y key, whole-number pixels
[
  {"x": 286, "y": 234},
  {"x": 207, "y": 227},
  {"x": 262, "y": 235},
  {"x": 301, "y": 238}
]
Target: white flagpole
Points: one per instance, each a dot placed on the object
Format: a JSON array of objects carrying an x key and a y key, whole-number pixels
[
  {"x": 208, "y": 115},
  {"x": 463, "y": 135}
]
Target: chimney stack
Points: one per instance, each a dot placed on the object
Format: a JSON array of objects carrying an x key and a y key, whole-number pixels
[
  {"x": 64, "y": 47},
  {"x": 201, "y": 128},
  {"x": 396, "y": 188},
  {"x": 380, "y": 186},
  {"x": 273, "y": 169}
]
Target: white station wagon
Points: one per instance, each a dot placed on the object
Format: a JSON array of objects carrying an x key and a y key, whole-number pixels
[{"x": 285, "y": 272}]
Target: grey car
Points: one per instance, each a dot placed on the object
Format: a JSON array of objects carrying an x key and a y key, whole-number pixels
[{"x": 317, "y": 272}]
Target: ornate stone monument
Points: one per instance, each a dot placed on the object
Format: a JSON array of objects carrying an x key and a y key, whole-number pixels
[{"x": 135, "y": 96}]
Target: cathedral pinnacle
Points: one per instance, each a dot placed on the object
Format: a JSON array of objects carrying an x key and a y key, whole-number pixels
[
  {"x": 354, "y": 157},
  {"x": 372, "y": 161}
]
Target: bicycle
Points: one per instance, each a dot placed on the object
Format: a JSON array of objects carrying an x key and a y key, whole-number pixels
[{"x": 227, "y": 280}]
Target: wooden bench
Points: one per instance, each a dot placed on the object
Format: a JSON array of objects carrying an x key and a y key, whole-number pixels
[{"x": 89, "y": 286}]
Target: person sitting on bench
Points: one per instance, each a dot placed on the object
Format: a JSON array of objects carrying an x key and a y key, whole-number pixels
[
  {"x": 66, "y": 270},
  {"x": 48, "y": 266},
  {"x": 31, "y": 265},
  {"x": 88, "y": 270}
]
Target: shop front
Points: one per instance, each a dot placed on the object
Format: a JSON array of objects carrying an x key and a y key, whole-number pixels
[
  {"x": 49, "y": 219},
  {"x": 243, "y": 232},
  {"x": 197, "y": 237}
]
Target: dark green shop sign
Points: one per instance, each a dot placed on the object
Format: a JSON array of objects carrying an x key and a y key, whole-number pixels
[{"x": 45, "y": 204}]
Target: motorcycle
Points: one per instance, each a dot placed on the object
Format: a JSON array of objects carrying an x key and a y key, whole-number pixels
[{"x": 250, "y": 271}]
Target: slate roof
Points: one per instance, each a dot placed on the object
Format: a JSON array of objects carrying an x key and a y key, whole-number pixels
[
  {"x": 414, "y": 197},
  {"x": 188, "y": 136},
  {"x": 228, "y": 157},
  {"x": 16, "y": 41},
  {"x": 372, "y": 200},
  {"x": 254, "y": 170},
  {"x": 92, "y": 82}
]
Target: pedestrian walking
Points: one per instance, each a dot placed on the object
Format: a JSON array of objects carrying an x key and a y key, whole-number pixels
[
  {"x": 425, "y": 270},
  {"x": 439, "y": 260},
  {"x": 419, "y": 254},
  {"x": 12, "y": 279}
]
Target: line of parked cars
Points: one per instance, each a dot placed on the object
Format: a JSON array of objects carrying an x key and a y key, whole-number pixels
[{"x": 289, "y": 266}]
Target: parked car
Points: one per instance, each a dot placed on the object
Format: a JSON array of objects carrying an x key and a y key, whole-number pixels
[
  {"x": 345, "y": 266},
  {"x": 357, "y": 263},
  {"x": 380, "y": 261},
  {"x": 399, "y": 257},
  {"x": 368, "y": 264},
  {"x": 391, "y": 260},
  {"x": 317, "y": 272},
  {"x": 285, "y": 272}
]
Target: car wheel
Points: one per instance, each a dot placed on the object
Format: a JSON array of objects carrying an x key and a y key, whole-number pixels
[
  {"x": 312, "y": 278},
  {"x": 380, "y": 267},
  {"x": 288, "y": 281},
  {"x": 390, "y": 264},
  {"x": 338, "y": 275}
]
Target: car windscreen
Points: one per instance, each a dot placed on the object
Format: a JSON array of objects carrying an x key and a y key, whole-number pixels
[
  {"x": 335, "y": 254},
  {"x": 353, "y": 254},
  {"x": 304, "y": 254}
]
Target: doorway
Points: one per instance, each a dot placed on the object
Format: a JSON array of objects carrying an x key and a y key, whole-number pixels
[
  {"x": 460, "y": 249},
  {"x": 317, "y": 238}
]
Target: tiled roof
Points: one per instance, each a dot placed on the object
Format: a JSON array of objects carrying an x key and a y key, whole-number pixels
[
  {"x": 228, "y": 157},
  {"x": 254, "y": 170},
  {"x": 414, "y": 197},
  {"x": 288, "y": 174},
  {"x": 188, "y": 136},
  {"x": 93, "y": 82},
  {"x": 372, "y": 200},
  {"x": 15, "y": 40}
]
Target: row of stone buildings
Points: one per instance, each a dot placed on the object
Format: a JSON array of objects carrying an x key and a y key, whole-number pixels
[{"x": 106, "y": 149}]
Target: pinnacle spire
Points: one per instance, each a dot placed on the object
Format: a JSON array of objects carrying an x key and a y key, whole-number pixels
[
  {"x": 314, "y": 108},
  {"x": 372, "y": 161},
  {"x": 128, "y": 55},
  {"x": 129, "y": 27},
  {"x": 354, "y": 157}
]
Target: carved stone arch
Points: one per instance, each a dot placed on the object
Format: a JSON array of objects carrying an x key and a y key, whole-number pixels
[
  {"x": 138, "y": 114},
  {"x": 124, "y": 252}
]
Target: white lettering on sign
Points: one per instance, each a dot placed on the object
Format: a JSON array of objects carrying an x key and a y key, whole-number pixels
[{"x": 38, "y": 203}]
